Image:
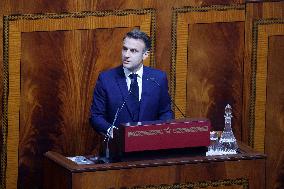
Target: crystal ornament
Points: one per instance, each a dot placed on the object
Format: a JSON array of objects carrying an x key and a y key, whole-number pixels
[
  {"x": 227, "y": 144},
  {"x": 215, "y": 147},
  {"x": 228, "y": 141}
]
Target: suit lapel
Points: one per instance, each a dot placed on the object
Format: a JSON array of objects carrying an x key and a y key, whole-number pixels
[
  {"x": 121, "y": 81},
  {"x": 146, "y": 91}
]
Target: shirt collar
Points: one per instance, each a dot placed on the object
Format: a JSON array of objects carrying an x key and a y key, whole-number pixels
[{"x": 139, "y": 72}]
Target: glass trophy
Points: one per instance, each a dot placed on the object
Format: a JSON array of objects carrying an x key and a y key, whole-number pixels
[
  {"x": 227, "y": 144},
  {"x": 227, "y": 140},
  {"x": 214, "y": 148}
]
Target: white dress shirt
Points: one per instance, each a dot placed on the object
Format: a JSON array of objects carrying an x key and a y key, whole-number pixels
[{"x": 139, "y": 73}]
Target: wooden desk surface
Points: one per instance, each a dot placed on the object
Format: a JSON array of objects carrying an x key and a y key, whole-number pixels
[{"x": 243, "y": 169}]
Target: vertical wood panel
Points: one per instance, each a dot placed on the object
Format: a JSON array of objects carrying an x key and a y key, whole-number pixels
[
  {"x": 274, "y": 130},
  {"x": 65, "y": 75},
  {"x": 57, "y": 83},
  {"x": 254, "y": 10},
  {"x": 61, "y": 74},
  {"x": 263, "y": 29},
  {"x": 207, "y": 62},
  {"x": 266, "y": 110},
  {"x": 215, "y": 66},
  {"x": 13, "y": 105}
]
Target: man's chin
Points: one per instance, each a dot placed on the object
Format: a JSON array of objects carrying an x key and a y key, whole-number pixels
[{"x": 127, "y": 66}]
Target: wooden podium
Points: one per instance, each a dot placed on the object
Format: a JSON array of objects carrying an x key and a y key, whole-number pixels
[{"x": 244, "y": 170}]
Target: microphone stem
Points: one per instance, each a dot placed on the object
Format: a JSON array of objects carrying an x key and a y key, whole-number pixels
[
  {"x": 153, "y": 80},
  {"x": 107, "y": 150},
  {"x": 115, "y": 117}
]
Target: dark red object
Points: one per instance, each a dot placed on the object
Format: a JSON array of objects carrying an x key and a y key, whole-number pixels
[{"x": 164, "y": 135}]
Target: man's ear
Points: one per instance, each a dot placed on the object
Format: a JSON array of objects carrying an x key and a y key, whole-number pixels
[{"x": 146, "y": 54}]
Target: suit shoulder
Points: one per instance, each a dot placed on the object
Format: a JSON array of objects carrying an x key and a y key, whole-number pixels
[
  {"x": 110, "y": 72},
  {"x": 155, "y": 71}
]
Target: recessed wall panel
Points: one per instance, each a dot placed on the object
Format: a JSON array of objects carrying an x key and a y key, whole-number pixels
[
  {"x": 274, "y": 122},
  {"x": 215, "y": 72}
]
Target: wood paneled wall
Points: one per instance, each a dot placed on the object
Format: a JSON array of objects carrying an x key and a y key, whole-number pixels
[{"x": 214, "y": 54}]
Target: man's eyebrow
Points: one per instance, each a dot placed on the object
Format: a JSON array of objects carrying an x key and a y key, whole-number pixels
[
  {"x": 125, "y": 47},
  {"x": 134, "y": 49}
]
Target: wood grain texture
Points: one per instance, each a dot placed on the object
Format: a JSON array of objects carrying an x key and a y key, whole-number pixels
[
  {"x": 265, "y": 29},
  {"x": 267, "y": 101},
  {"x": 59, "y": 76},
  {"x": 214, "y": 77},
  {"x": 52, "y": 22},
  {"x": 162, "y": 54},
  {"x": 170, "y": 176},
  {"x": 204, "y": 81},
  {"x": 175, "y": 172},
  {"x": 60, "y": 173},
  {"x": 260, "y": 10},
  {"x": 65, "y": 75},
  {"x": 274, "y": 130}
]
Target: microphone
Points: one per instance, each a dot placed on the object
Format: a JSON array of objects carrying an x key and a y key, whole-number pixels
[
  {"x": 154, "y": 80},
  {"x": 110, "y": 129}
]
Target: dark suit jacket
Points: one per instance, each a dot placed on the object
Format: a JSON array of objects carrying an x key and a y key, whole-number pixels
[{"x": 111, "y": 92}]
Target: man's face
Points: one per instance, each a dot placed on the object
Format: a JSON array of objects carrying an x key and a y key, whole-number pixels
[{"x": 133, "y": 53}]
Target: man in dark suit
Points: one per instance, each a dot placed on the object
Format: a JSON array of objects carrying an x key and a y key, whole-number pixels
[{"x": 131, "y": 92}]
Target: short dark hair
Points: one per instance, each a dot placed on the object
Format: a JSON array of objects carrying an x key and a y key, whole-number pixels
[{"x": 138, "y": 34}]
